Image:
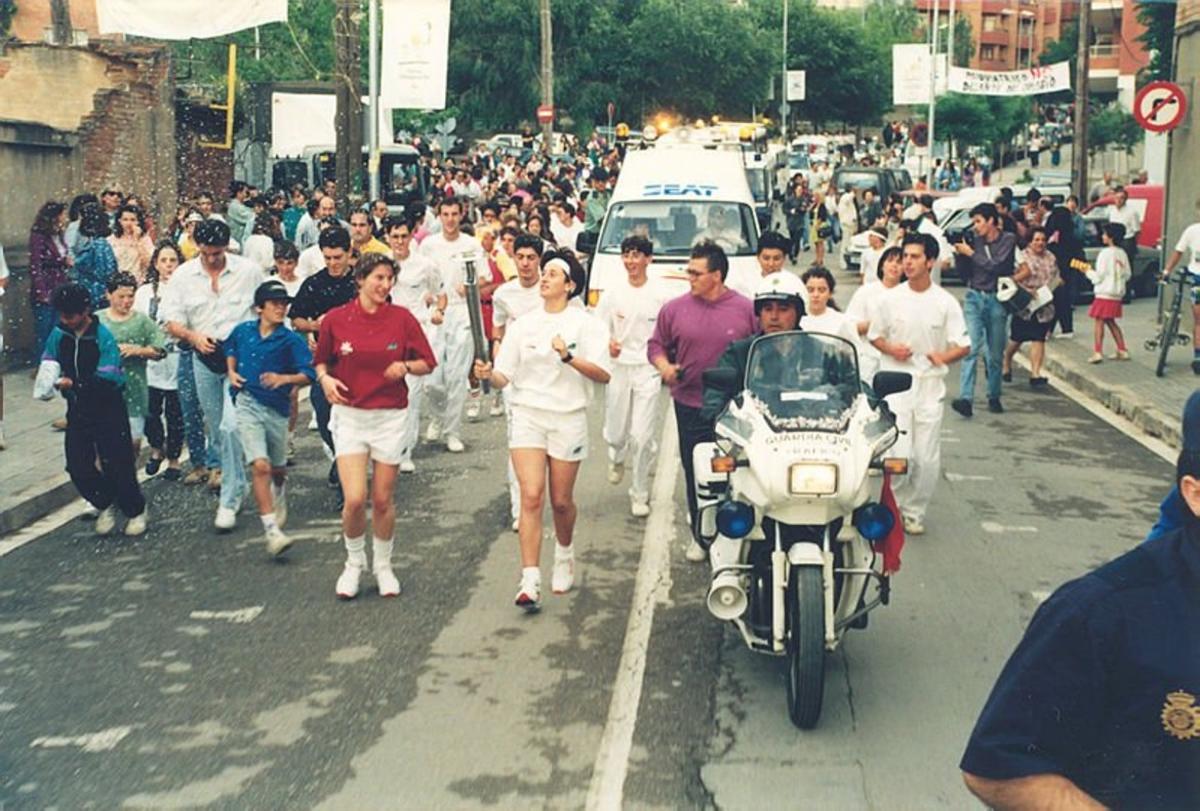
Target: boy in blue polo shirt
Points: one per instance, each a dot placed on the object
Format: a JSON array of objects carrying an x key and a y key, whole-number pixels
[{"x": 266, "y": 360}]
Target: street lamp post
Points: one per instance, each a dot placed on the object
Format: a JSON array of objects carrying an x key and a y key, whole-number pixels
[{"x": 783, "y": 82}]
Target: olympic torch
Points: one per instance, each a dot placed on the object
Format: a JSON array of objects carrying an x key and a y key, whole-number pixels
[{"x": 475, "y": 314}]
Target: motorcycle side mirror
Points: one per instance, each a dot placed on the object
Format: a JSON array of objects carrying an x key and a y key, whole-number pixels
[
  {"x": 586, "y": 242},
  {"x": 886, "y": 383},
  {"x": 723, "y": 380}
]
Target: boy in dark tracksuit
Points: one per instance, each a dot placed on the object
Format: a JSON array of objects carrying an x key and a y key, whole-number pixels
[{"x": 97, "y": 421}]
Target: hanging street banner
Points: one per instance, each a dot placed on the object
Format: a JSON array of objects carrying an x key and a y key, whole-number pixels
[
  {"x": 415, "y": 51},
  {"x": 1030, "y": 82},
  {"x": 186, "y": 19},
  {"x": 911, "y": 73}
]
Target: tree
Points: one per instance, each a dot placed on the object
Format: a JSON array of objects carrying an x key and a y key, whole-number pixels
[
  {"x": 964, "y": 43},
  {"x": 1158, "y": 39},
  {"x": 964, "y": 120},
  {"x": 1062, "y": 50},
  {"x": 1113, "y": 128}
]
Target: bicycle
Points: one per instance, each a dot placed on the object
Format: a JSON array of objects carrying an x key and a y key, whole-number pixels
[{"x": 1168, "y": 333}]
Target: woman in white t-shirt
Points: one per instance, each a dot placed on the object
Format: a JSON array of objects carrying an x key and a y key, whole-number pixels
[
  {"x": 864, "y": 305},
  {"x": 550, "y": 357},
  {"x": 821, "y": 314}
]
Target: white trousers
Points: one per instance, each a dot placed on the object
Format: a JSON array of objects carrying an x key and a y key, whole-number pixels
[
  {"x": 412, "y": 424},
  {"x": 919, "y": 415},
  {"x": 446, "y": 390},
  {"x": 635, "y": 405}
]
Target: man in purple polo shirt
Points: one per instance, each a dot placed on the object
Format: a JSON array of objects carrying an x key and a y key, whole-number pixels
[{"x": 691, "y": 333}]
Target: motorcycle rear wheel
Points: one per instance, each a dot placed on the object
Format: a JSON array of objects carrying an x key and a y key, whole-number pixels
[{"x": 806, "y": 647}]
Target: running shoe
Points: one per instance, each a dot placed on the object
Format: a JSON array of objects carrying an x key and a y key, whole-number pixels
[
  {"x": 385, "y": 578},
  {"x": 214, "y": 480},
  {"x": 639, "y": 509},
  {"x": 529, "y": 595},
  {"x": 695, "y": 553},
  {"x": 616, "y": 472},
  {"x": 106, "y": 521},
  {"x": 564, "y": 572},
  {"x": 434, "y": 432},
  {"x": 407, "y": 466},
  {"x": 137, "y": 525},
  {"x": 277, "y": 541},
  {"x": 913, "y": 526},
  {"x": 226, "y": 519},
  {"x": 172, "y": 474},
  {"x": 153, "y": 464},
  {"x": 197, "y": 475},
  {"x": 454, "y": 444},
  {"x": 347, "y": 582},
  {"x": 497, "y": 408}
]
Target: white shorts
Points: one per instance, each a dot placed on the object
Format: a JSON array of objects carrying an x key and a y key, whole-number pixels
[
  {"x": 377, "y": 432},
  {"x": 563, "y": 436}
]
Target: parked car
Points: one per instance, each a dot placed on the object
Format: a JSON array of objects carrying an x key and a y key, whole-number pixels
[{"x": 1148, "y": 199}]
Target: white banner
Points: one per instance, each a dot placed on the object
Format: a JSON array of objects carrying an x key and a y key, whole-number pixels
[
  {"x": 1042, "y": 79},
  {"x": 416, "y": 48},
  {"x": 911, "y": 74},
  {"x": 186, "y": 19},
  {"x": 796, "y": 85}
]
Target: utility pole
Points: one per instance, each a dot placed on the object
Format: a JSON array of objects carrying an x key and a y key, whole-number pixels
[
  {"x": 933, "y": 71},
  {"x": 60, "y": 21},
  {"x": 783, "y": 82},
  {"x": 547, "y": 74},
  {"x": 373, "y": 94},
  {"x": 349, "y": 118},
  {"x": 1079, "y": 150}
]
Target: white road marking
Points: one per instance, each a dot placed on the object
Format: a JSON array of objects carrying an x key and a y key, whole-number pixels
[
  {"x": 607, "y": 787},
  {"x": 102, "y": 741},
  {"x": 1002, "y": 529},
  {"x": 1152, "y": 444},
  {"x": 43, "y": 526},
  {"x": 966, "y": 477},
  {"x": 238, "y": 615}
]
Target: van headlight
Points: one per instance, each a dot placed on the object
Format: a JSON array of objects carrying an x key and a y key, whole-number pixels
[{"x": 813, "y": 479}]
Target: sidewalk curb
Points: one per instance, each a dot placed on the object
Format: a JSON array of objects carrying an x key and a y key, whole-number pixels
[
  {"x": 1121, "y": 400},
  {"x": 38, "y": 501}
]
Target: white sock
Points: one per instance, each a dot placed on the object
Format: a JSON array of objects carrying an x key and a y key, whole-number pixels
[
  {"x": 356, "y": 551},
  {"x": 532, "y": 573},
  {"x": 268, "y": 520},
  {"x": 381, "y": 553},
  {"x": 563, "y": 552}
]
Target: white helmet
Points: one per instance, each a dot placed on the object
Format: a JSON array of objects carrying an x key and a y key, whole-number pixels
[{"x": 781, "y": 286}]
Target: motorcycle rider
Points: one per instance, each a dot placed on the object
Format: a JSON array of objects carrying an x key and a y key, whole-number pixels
[{"x": 779, "y": 305}]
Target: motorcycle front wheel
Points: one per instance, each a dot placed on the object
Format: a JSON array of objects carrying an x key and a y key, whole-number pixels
[{"x": 806, "y": 646}]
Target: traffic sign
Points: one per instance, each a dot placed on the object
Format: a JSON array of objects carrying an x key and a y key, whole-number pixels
[
  {"x": 795, "y": 85},
  {"x": 1160, "y": 106},
  {"x": 919, "y": 134},
  {"x": 545, "y": 113}
]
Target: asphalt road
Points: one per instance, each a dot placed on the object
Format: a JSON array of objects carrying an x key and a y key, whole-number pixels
[{"x": 187, "y": 669}]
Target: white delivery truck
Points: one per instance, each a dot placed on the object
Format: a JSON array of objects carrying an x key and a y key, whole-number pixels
[{"x": 677, "y": 197}]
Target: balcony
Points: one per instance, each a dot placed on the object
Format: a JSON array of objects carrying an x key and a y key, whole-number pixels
[
  {"x": 995, "y": 37},
  {"x": 1104, "y": 56}
]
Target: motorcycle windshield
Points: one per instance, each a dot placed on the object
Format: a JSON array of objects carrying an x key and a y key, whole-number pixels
[{"x": 803, "y": 381}]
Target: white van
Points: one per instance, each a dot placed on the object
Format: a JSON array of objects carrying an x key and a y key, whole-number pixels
[{"x": 676, "y": 197}]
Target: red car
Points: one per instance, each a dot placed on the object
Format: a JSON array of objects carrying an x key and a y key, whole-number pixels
[{"x": 1149, "y": 199}]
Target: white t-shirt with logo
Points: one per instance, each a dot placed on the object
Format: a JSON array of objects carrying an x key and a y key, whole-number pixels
[
  {"x": 630, "y": 314},
  {"x": 539, "y": 378}
]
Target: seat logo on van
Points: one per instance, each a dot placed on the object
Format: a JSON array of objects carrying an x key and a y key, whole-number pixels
[{"x": 677, "y": 190}]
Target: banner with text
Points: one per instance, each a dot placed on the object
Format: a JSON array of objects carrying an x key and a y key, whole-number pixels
[
  {"x": 416, "y": 48},
  {"x": 1030, "y": 82},
  {"x": 185, "y": 19},
  {"x": 911, "y": 73}
]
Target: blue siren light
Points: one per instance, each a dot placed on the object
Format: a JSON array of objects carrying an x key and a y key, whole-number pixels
[
  {"x": 735, "y": 519},
  {"x": 874, "y": 521}
]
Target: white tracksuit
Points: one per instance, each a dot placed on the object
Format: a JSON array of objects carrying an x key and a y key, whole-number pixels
[
  {"x": 635, "y": 398},
  {"x": 931, "y": 320},
  {"x": 446, "y": 388},
  {"x": 417, "y": 278}
]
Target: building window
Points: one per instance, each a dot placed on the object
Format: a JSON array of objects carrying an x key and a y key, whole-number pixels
[
  {"x": 991, "y": 22},
  {"x": 993, "y": 53}
]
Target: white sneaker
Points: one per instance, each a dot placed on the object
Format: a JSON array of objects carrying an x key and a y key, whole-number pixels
[
  {"x": 385, "y": 578},
  {"x": 516, "y": 524},
  {"x": 407, "y": 466},
  {"x": 913, "y": 526},
  {"x": 639, "y": 509},
  {"x": 497, "y": 408},
  {"x": 106, "y": 521},
  {"x": 226, "y": 519},
  {"x": 529, "y": 595},
  {"x": 277, "y": 542},
  {"x": 434, "y": 432},
  {"x": 564, "y": 572},
  {"x": 695, "y": 553},
  {"x": 137, "y": 525},
  {"x": 347, "y": 582},
  {"x": 454, "y": 444},
  {"x": 616, "y": 472},
  {"x": 281, "y": 508},
  {"x": 312, "y": 422},
  {"x": 473, "y": 410}
]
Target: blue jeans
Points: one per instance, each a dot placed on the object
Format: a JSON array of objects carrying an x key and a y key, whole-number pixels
[
  {"x": 987, "y": 324},
  {"x": 43, "y": 322},
  {"x": 221, "y": 424},
  {"x": 200, "y": 452}
]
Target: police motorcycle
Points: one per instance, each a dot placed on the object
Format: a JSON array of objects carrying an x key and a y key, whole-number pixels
[{"x": 789, "y": 510}]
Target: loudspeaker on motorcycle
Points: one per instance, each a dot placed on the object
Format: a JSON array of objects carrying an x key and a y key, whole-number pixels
[{"x": 726, "y": 597}]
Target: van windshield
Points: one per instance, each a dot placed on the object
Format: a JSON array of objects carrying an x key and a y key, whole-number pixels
[
  {"x": 757, "y": 178},
  {"x": 674, "y": 226},
  {"x": 857, "y": 181}
]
